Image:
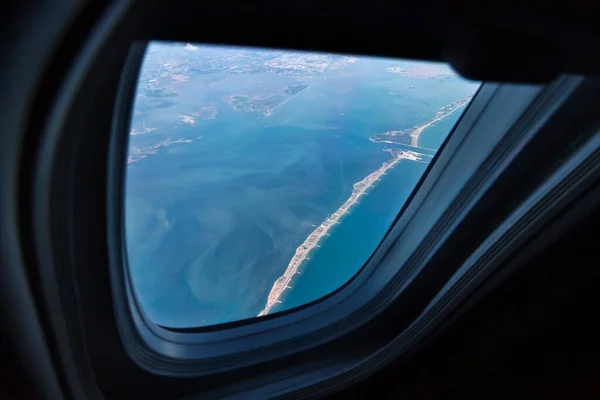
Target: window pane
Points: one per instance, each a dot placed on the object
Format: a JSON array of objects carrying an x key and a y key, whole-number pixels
[{"x": 262, "y": 180}]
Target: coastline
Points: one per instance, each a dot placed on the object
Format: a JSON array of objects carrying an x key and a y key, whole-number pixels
[
  {"x": 416, "y": 131},
  {"x": 359, "y": 188},
  {"x": 414, "y": 136}
]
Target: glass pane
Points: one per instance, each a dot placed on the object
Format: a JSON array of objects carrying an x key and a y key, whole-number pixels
[{"x": 261, "y": 180}]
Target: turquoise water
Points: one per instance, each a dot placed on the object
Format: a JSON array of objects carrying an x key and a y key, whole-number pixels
[{"x": 211, "y": 224}]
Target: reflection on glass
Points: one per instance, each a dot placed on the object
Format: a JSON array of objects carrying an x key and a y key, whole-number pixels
[{"x": 260, "y": 180}]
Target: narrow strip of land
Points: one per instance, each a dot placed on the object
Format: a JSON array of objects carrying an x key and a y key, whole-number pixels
[
  {"x": 414, "y": 135},
  {"x": 359, "y": 188},
  {"x": 410, "y": 136},
  {"x": 396, "y": 137}
]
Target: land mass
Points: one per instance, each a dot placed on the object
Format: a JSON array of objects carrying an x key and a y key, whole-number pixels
[
  {"x": 261, "y": 103},
  {"x": 169, "y": 66},
  {"x": 264, "y": 104},
  {"x": 410, "y": 136},
  {"x": 137, "y": 153},
  {"x": 295, "y": 89},
  {"x": 312, "y": 241},
  {"x": 425, "y": 71}
]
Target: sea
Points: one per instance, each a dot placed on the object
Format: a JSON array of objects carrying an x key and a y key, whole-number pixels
[{"x": 212, "y": 223}]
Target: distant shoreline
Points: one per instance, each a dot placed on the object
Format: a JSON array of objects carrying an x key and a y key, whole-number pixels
[
  {"x": 359, "y": 188},
  {"x": 414, "y": 136},
  {"x": 416, "y": 131}
]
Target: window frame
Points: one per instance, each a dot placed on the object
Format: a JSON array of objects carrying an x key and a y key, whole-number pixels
[
  {"x": 57, "y": 292},
  {"x": 258, "y": 340},
  {"x": 88, "y": 330}
]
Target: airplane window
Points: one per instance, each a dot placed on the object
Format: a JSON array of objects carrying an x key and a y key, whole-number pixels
[{"x": 261, "y": 180}]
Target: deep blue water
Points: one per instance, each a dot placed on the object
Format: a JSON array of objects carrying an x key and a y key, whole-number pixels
[{"x": 212, "y": 223}]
